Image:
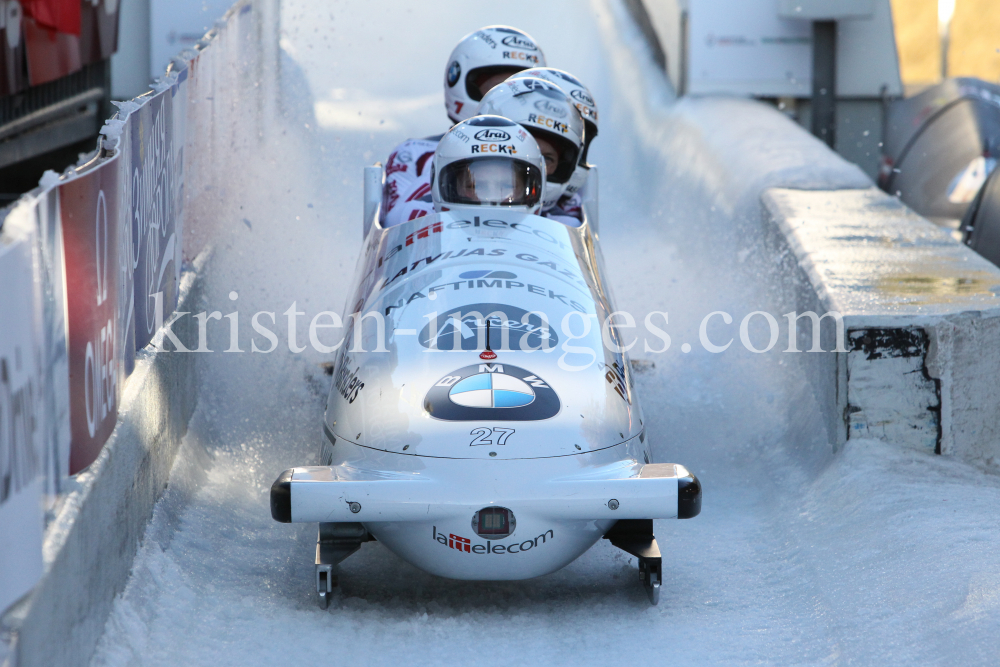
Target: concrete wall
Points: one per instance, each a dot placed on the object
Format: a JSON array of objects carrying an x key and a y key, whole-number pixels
[
  {"x": 90, "y": 545},
  {"x": 922, "y": 316}
]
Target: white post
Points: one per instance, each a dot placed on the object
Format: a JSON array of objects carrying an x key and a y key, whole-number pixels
[
  {"x": 373, "y": 195},
  {"x": 590, "y": 200}
]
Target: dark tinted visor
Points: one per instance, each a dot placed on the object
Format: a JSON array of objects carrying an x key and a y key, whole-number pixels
[
  {"x": 589, "y": 134},
  {"x": 476, "y": 77},
  {"x": 491, "y": 181},
  {"x": 569, "y": 154}
]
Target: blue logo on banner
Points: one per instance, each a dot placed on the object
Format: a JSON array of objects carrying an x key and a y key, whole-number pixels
[
  {"x": 155, "y": 194},
  {"x": 472, "y": 275}
]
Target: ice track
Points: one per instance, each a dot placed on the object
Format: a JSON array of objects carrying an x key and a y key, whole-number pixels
[{"x": 876, "y": 555}]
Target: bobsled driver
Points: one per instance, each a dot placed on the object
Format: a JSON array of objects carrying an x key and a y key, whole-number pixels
[
  {"x": 481, "y": 60},
  {"x": 512, "y": 176}
]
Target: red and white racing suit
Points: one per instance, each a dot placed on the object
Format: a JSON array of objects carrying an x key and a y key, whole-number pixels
[
  {"x": 568, "y": 210},
  {"x": 407, "y": 192}
]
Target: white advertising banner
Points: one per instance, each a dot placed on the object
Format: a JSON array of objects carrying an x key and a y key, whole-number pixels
[
  {"x": 21, "y": 454},
  {"x": 50, "y": 293},
  {"x": 743, "y": 48}
]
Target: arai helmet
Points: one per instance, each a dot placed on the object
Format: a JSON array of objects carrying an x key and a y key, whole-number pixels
[
  {"x": 488, "y": 161},
  {"x": 587, "y": 107},
  {"x": 491, "y": 50},
  {"x": 550, "y": 115}
]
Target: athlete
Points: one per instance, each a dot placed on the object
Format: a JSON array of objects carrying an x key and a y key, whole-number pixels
[
  {"x": 505, "y": 169},
  {"x": 551, "y": 116},
  {"x": 587, "y": 107},
  {"x": 479, "y": 62}
]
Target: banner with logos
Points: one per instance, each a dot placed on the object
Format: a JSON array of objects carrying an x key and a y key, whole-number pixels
[
  {"x": 21, "y": 453},
  {"x": 84, "y": 259},
  {"x": 151, "y": 146},
  {"x": 98, "y": 268},
  {"x": 50, "y": 299}
]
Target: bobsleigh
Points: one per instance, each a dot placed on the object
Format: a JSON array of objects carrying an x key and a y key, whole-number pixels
[{"x": 464, "y": 429}]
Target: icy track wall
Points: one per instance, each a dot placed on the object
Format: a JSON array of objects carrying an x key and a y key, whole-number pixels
[
  {"x": 917, "y": 360},
  {"x": 92, "y": 409}
]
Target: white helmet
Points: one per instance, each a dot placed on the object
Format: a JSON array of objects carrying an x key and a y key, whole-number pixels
[
  {"x": 491, "y": 50},
  {"x": 587, "y": 107},
  {"x": 488, "y": 161},
  {"x": 548, "y": 113}
]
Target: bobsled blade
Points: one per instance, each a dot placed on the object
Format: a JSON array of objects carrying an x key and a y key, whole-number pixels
[{"x": 635, "y": 537}]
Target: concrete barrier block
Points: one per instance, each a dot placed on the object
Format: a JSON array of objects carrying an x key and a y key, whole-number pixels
[
  {"x": 890, "y": 395},
  {"x": 921, "y": 316},
  {"x": 965, "y": 354}
]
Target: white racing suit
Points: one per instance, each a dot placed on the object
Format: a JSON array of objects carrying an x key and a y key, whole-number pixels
[{"x": 407, "y": 192}]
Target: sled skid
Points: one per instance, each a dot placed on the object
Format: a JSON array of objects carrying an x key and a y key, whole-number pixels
[
  {"x": 635, "y": 537},
  {"x": 335, "y": 542}
]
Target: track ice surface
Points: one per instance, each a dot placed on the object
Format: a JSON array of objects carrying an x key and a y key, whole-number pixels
[{"x": 874, "y": 556}]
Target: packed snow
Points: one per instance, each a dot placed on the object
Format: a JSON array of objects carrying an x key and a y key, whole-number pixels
[{"x": 871, "y": 555}]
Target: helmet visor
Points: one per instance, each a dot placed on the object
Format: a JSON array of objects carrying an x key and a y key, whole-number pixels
[
  {"x": 491, "y": 181},
  {"x": 590, "y": 133},
  {"x": 567, "y": 153},
  {"x": 477, "y": 77}
]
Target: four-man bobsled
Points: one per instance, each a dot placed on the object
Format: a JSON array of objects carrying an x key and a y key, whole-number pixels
[{"x": 483, "y": 422}]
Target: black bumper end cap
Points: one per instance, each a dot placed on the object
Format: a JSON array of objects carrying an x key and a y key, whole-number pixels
[
  {"x": 688, "y": 497},
  {"x": 281, "y": 498}
]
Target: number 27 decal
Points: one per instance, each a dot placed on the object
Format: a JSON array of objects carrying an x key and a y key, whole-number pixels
[{"x": 491, "y": 436}]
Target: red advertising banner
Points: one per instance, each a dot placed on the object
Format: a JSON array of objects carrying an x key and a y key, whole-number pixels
[
  {"x": 94, "y": 262},
  {"x": 45, "y": 40},
  {"x": 98, "y": 31},
  {"x": 51, "y": 54},
  {"x": 59, "y": 15},
  {"x": 13, "y": 66}
]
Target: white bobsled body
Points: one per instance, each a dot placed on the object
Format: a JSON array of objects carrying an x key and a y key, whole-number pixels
[{"x": 424, "y": 433}]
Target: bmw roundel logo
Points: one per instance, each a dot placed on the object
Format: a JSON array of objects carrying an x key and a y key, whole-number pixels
[
  {"x": 454, "y": 71},
  {"x": 491, "y": 391}
]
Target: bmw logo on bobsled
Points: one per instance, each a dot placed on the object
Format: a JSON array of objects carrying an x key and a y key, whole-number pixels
[
  {"x": 491, "y": 392},
  {"x": 462, "y": 431}
]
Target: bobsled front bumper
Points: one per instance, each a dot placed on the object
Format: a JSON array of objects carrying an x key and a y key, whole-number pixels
[{"x": 339, "y": 494}]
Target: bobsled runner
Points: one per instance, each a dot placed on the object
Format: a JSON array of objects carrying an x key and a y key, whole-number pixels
[{"x": 465, "y": 430}]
